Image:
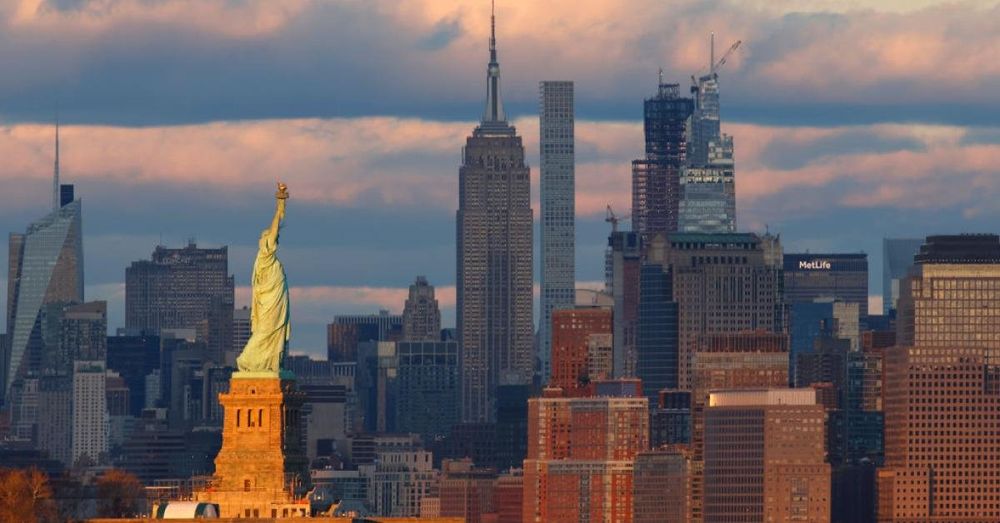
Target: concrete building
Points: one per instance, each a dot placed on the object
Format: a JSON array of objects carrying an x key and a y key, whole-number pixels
[
  {"x": 581, "y": 348},
  {"x": 185, "y": 288},
  {"x": 399, "y": 479},
  {"x": 494, "y": 258},
  {"x": 661, "y": 486},
  {"x": 583, "y": 449},
  {"x": 842, "y": 277},
  {"x": 90, "y": 412},
  {"x": 656, "y": 177},
  {"x": 557, "y": 229},
  {"x": 765, "y": 457},
  {"x": 421, "y": 315},
  {"x": 466, "y": 491}
]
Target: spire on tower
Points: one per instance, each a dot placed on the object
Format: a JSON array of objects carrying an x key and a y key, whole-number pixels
[
  {"x": 55, "y": 172},
  {"x": 494, "y": 105}
]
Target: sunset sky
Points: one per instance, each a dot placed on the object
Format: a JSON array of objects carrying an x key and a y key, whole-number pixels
[{"x": 853, "y": 120}]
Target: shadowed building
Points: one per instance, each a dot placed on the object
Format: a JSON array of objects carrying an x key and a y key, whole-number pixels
[
  {"x": 186, "y": 288},
  {"x": 581, "y": 348},
  {"x": 494, "y": 226}
]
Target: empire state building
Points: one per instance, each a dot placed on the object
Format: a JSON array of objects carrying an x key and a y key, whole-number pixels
[{"x": 494, "y": 219}]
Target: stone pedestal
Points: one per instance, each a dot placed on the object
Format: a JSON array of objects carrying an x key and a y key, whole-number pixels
[{"x": 262, "y": 466}]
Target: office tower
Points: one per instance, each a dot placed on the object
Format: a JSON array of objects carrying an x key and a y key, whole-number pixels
[
  {"x": 841, "y": 277},
  {"x": 764, "y": 457},
  {"x": 708, "y": 192},
  {"x": 625, "y": 258},
  {"x": 656, "y": 178},
  {"x": 347, "y": 331},
  {"x": 948, "y": 299},
  {"x": 581, "y": 454},
  {"x": 134, "y": 356},
  {"x": 494, "y": 220},
  {"x": 421, "y": 315},
  {"x": 744, "y": 360},
  {"x": 656, "y": 337},
  {"x": 45, "y": 267},
  {"x": 427, "y": 381},
  {"x": 660, "y": 486},
  {"x": 186, "y": 288},
  {"x": 581, "y": 348},
  {"x": 721, "y": 284},
  {"x": 466, "y": 491},
  {"x": 941, "y": 399},
  {"x": 897, "y": 258},
  {"x": 557, "y": 229},
  {"x": 942, "y": 434},
  {"x": 400, "y": 477},
  {"x": 822, "y": 318},
  {"x": 90, "y": 412}
]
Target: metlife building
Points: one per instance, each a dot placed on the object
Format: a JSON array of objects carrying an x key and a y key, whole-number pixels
[{"x": 842, "y": 277}]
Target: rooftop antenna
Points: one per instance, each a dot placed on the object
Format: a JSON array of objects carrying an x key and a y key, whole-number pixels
[{"x": 55, "y": 170}]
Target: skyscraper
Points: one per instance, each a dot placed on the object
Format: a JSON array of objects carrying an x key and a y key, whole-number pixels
[
  {"x": 897, "y": 258},
  {"x": 708, "y": 191},
  {"x": 186, "y": 288},
  {"x": 494, "y": 220},
  {"x": 90, "y": 413},
  {"x": 421, "y": 315},
  {"x": 656, "y": 178},
  {"x": 557, "y": 216},
  {"x": 764, "y": 457},
  {"x": 940, "y": 394},
  {"x": 722, "y": 284},
  {"x": 45, "y": 266},
  {"x": 839, "y": 276}
]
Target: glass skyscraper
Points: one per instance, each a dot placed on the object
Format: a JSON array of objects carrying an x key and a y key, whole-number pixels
[
  {"x": 557, "y": 228},
  {"x": 46, "y": 266},
  {"x": 708, "y": 192}
]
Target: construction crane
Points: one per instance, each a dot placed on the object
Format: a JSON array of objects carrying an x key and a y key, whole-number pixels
[
  {"x": 725, "y": 56},
  {"x": 613, "y": 219}
]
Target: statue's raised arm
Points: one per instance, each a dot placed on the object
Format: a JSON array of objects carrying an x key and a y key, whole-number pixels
[{"x": 269, "y": 315}]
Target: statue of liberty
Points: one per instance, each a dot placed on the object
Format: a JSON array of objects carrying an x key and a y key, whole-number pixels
[{"x": 269, "y": 311}]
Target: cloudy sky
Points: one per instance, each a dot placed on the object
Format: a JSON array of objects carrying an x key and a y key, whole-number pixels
[{"x": 853, "y": 120}]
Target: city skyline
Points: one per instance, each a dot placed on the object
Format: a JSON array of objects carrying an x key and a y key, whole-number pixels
[{"x": 383, "y": 175}]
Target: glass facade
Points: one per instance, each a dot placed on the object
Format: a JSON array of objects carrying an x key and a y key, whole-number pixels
[
  {"x": 46, "y": 266},
  {"x": 656, "y": 337},
  {"x": 708, "y": 192}
]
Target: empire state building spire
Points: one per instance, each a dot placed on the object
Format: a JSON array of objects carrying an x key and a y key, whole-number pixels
[{"x": 494, "y": 105}]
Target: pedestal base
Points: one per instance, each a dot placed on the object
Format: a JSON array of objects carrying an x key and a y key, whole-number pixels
[{"x": 262, "y": 467}]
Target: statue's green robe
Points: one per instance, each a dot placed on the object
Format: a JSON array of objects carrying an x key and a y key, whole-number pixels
[{"x": 268, "y": 311}]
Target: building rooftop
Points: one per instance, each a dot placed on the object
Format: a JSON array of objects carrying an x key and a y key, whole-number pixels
[
  {"x": 761, "y": 397},
  {"x": 960, "y": 248}
]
